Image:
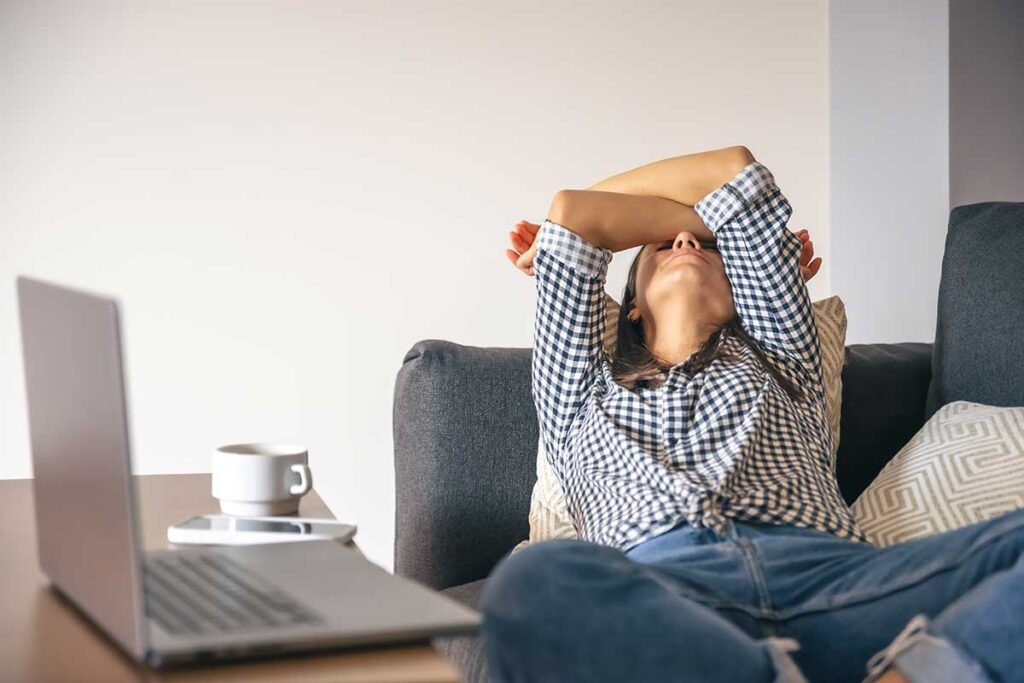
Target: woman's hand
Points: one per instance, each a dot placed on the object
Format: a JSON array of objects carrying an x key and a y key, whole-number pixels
[
  {"x": 523, "y": 250},
  {"x": 808, "y": 267}
]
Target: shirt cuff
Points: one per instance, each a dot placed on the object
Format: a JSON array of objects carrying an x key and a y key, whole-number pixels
[
  {"x": 743, "y": 190},
  {"x": 573, "y": 251}
]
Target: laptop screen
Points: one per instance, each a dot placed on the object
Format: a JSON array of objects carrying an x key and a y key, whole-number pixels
[{"x": 78, "y": 424}]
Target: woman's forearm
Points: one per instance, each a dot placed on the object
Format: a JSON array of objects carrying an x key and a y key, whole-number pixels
[
  {"x": 685, "y": 179},
  {"x": 619, "y": 221}
]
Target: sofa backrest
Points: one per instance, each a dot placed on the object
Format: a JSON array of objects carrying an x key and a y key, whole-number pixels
[
  {"x": 465, "y": 431},
  {"x": 979, "y": 336}
]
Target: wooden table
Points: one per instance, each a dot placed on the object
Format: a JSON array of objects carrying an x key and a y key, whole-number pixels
[{"x": 43, "y": 638}]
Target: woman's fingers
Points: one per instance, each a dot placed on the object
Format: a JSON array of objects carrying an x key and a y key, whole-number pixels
[
  {"x": 518, "y": 242},
  {"x": 806, "y": 252},
  {"x": 526, "y": 258},
  {"x": 527, "y": 231},
  {"x": 522, "y": 239},
  {"x": 811, "y": 269},
  {"x": 520, "y": 262},
  {"x": 516, "y": 261},
  {"x": 809, "y": 265},
  {"x": 531, "y": 227},
  {"x": 522, "y": 253}
]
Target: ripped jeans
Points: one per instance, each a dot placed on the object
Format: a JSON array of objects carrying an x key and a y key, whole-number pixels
[{"x": 761, "y": 603}]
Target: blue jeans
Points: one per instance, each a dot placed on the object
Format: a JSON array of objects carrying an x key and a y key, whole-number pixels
[{"x": 761, "y": 603}]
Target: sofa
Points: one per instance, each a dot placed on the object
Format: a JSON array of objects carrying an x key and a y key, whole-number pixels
[{"x": 465, "y": 426}]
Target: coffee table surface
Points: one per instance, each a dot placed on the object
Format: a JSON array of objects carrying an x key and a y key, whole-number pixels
[{"x": 43, "y": 637}]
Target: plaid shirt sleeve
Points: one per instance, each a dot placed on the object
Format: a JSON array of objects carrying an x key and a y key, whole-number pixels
[
  {"x": 568, "y": 331},
  {"x": 749, "y": 217}
]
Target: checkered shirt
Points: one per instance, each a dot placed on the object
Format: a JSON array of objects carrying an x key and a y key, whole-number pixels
[{"x": 724, "y": 442}]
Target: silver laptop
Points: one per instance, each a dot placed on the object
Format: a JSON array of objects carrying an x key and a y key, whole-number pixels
[{"x": 197, "y": 603}]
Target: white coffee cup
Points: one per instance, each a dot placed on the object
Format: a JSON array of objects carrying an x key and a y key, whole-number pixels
[{"x": 253, "y": 479}]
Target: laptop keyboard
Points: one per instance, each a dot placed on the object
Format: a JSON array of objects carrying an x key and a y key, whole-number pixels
[{"x": 194, "y": 594}]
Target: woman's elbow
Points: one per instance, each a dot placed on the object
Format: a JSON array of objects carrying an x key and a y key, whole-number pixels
[
  {"x": 742, "y": 155},
  {"x": 571, "y": 210},
  {"x": 559, "y": 210},
  {"x": 580, "y": 212}
]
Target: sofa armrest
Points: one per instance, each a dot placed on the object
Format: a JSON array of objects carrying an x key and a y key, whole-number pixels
[
  {"x": 465, "y": 438},
  {"x": 885, "y": 387}
]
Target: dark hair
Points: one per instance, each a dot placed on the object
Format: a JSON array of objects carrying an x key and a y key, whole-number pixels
[{"x": 634, "y": 365}]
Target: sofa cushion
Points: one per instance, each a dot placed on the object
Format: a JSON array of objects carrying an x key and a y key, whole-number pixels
[
  {"x": 884, "y": 389},
  {"x": 965, "y": 465},
  {"x": 549, "y": 514},
  {"x": 465, "y": 652},
  {"x": 979, "y": 345}
]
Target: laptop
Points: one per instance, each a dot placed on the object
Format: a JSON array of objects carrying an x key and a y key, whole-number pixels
[{"x": 194, "y": 604}]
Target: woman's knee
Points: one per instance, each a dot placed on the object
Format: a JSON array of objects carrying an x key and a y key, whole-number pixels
[
  {"x": 554, "y": 561},
  {"x": 545, "y": 577},
  {"x": 998, "y": 542}
]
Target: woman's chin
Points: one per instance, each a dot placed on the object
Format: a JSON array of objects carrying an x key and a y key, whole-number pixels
[{"x": 688, "y": 273}]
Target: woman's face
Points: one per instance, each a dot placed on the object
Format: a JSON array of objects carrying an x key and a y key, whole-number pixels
[{"x": 682, "y": 274}]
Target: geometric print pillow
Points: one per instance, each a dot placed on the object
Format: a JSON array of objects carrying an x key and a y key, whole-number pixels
[
  {"x": 965, "y": 465},
  {"x": 549, "y": 514}
]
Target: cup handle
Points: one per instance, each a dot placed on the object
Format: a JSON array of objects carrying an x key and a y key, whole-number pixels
[{"x": 305, "y": 480}]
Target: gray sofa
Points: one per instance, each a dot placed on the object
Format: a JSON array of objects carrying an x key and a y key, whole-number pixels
[{"x": 465, "y": 427}]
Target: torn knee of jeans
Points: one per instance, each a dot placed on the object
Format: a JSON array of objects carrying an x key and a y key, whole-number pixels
[
  {"x": 786, "y": 670},
  {"x": 921, "y": 655}
]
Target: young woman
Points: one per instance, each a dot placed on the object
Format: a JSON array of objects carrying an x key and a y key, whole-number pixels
[{"x": 696, "y": 464}]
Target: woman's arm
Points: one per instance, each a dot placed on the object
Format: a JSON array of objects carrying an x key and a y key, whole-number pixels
[
  {"x": 685, "y": 179},
  {"x": 762, "y": 257},
  {"x": 616, "y": 221},
  {"x": 569, "y": 330},
  {"x": 649, "y": 204}
]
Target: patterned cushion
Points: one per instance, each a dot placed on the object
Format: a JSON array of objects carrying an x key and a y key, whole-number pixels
[
  {"x": 549, "y": 516},
  {"x": 965, "y": 465}
]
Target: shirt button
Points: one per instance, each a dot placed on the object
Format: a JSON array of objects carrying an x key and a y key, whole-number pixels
[{"x": 672, "y": 441}]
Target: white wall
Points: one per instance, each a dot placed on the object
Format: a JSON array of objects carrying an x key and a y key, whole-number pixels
[
  {"x": 889, "y": 164},
  {"x": 286, "y": 196}
]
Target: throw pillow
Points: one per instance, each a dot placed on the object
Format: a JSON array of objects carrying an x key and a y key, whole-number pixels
[
  {"x": 549, "y": 514},
  {"x": 965, "y": 465}
]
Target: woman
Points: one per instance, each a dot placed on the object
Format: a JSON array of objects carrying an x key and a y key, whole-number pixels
[{"x": 696, "y": 463}]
